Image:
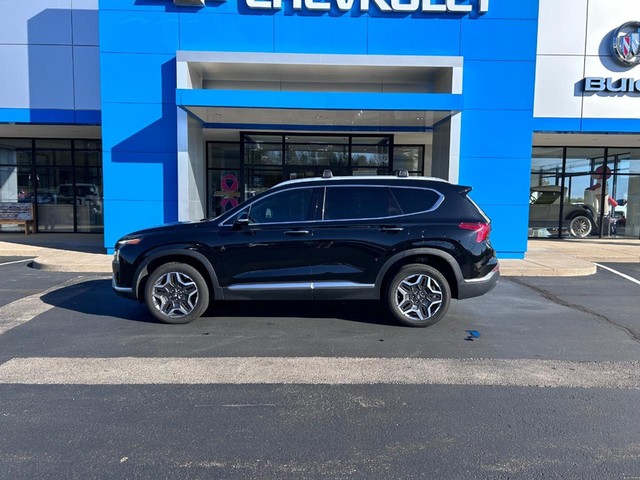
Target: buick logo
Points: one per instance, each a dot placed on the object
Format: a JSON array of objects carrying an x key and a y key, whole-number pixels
[{"x": 626, "y": 44}]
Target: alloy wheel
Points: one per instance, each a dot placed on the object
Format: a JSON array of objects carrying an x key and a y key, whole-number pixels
[
  {"x": 418, "y": 297},
  {"x": 175, "y": 294}
]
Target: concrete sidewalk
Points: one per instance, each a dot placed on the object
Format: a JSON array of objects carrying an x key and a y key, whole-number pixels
[
  {"x": 571, "y": 257},
  {"x": 545, "y": 258}
]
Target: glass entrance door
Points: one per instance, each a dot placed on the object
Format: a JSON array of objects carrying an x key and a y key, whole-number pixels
[{"x": 238, "y": 171}]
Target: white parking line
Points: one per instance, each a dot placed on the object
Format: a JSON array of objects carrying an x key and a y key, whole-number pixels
[
  {"x": 319, "y": 371},
  {"x": 16, "y": 261},
  {"x": 626, "y": 277},
  {"x": 21, "y": 311}
]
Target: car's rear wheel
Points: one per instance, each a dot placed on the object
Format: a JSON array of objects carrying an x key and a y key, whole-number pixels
[
  {"x": 176, "y": 293},
  {"x": 418, "y": 295},
  {"x": 580, "y": 226}
]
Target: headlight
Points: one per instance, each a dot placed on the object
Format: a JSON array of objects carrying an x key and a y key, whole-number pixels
[
  {"x": 122, "y": 243},
  {"x": 127, "y": 241}
]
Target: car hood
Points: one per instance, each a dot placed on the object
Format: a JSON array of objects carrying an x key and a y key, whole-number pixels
[{"x": 176, "y": 228}]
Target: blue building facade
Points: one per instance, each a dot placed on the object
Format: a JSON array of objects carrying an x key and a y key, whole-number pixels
[
  {"x": 142, "y": 104},
  {"x": 125, "y": 114}
]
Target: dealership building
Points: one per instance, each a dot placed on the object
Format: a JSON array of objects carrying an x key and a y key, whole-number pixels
[{"x": 122, "y": 114}]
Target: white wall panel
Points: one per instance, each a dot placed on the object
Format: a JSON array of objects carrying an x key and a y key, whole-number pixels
[
  {"x": 50, "y": 77},
  {"x": 562, "y": 64},
  {"x": 605, "y": 16},
  {"x": 36, "y": 61},
  {"x": 556, "y": 93},
  {"x": 85, "y": 4},
  {"x": 14, "y": 90},
  {"x": 86, "y": 67},
  {"x": 556, "y": 34},
  {"x": 35, "y": 21},
  {"x": 609, "y": 105},
  {"x": 85, "y": 26}
]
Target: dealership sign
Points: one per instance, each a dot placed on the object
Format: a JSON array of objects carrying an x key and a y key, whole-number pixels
[
  {"x": 625, "y": 48},
  {"x": 609, "y": 85},
  {"x": 400, "y": 6},
  {"x": 625, "y": 43}
]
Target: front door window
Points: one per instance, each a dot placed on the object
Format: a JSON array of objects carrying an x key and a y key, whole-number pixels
[{"x": 286, "y": 207}]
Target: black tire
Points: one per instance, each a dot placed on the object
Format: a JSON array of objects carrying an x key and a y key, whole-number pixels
[
  {"x": 176, "y": 293},
  {"x": 428, "y": 299},
  {"x": 580, "y": 226}
]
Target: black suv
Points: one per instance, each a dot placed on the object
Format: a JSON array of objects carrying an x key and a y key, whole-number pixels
[{"x": 413, "y": 243}]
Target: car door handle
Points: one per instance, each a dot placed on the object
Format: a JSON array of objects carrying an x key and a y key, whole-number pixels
[
  {"x": 296, "y": 232},
  {"x": 391, "y": 229}
]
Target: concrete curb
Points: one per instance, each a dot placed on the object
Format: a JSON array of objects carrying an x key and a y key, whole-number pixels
[
  {"x": 557, "y": 265},
  {"x": 45, "y": 264},
  {"x": 543, "y": 259},
  {"x": 54, "y": 260},
  {"x": 547, "y": 263}
]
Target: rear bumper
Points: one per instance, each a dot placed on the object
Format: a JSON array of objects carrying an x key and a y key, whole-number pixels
[{"x": 478, "y": 286}]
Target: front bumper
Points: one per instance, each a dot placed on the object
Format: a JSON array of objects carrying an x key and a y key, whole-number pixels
[
  {"x": 122, "y": 291},
  {"x": 478, "y": 286}
]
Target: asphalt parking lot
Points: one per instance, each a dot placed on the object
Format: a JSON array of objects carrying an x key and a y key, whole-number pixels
[
  {"x": 578, "y": 318},
  {"x": 133, "y": 426}
]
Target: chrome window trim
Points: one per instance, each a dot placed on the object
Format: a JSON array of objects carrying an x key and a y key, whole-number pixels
[
  {"x": 333, "y": 284},
  {"x": 433, "y": 208},
  {"x": 365, "y": 177},
  {"x": 297, "y": 286},
  {"x": 325, "y": 187}
]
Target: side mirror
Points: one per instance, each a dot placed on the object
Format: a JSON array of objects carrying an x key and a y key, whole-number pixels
[{"x": 241, "y": 220}]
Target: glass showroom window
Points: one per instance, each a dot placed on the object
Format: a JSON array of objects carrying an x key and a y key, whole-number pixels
[
  {"x": 15, "y": 174},
  {"x": 63, "y": 178},
  {"x": 583, "y": 179},
  {"x": 223, "y": 177},
  {"x": 238, "y": 171},
  {"x": 624, "y": 190},
  {"x": 545, "y": 196},
  {"x": 410, "y": 158},
  {"x": 582, "y": 192}
]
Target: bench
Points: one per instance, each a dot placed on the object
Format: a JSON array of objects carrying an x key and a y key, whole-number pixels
[{"x": 19, "y": 214}]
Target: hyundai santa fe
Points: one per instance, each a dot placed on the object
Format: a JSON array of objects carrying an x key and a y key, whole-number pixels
[{"x": 412, "y": 243}]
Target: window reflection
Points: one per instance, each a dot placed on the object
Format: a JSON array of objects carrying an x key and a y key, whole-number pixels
[
  {"x": 601, "y": 185},
  {"x": 261, "y": 161},
  {"x": 63, "y": 178}
]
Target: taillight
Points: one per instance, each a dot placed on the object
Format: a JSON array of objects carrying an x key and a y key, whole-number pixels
[{"x": 482, "y": 229}]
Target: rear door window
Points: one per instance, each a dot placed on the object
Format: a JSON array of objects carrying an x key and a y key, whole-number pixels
[
  {"x": 414, "y": 200},
  {"x": 359, "y": 203}
]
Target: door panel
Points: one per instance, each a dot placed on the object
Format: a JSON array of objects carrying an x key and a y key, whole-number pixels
[
  {"x": 356, "y": 235},
  {"x": 354, "y": 253},
  {"x": 274, "y": 248}
]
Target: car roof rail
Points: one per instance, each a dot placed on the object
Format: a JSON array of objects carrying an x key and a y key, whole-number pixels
[
  {"x": 327, "y": 174},
  {"x": 402, "y": 173}
]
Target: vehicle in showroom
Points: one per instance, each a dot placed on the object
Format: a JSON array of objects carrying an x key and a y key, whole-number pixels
[
  {"x": 413, "y": 243},
  {"x": 544, "y": 212}
]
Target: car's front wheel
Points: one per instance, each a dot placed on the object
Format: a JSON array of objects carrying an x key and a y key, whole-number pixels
[
  {"x": 176, "y": 293},
  {"x": 418, "y": 295},
  {"x": 580, "y": 226}
]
